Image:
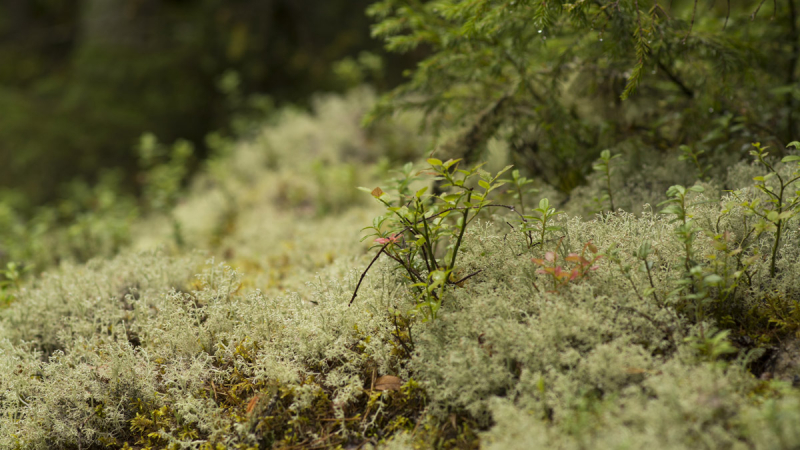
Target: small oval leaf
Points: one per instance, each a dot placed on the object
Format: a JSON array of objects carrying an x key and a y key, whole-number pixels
[{"x": 388, "y": 383}]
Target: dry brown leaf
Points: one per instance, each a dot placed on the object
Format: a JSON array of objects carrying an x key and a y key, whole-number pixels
[
  {"x": 388, "y": 383},
  {"x": 252, "y": 404}
]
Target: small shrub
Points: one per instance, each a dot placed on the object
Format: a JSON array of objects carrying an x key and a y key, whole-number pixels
[
  {"x": 424, "y": 232},
  {"x": 578, "y": 267},
  {"x": 778, "y": 209}
]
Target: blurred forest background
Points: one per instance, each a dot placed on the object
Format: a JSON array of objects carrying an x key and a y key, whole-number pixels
[
  {"x": 81, "y": 80},
  {"x": 110, "y": 108}
]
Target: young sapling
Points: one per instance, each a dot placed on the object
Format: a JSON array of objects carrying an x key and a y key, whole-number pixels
[
  {"x": 603, "y": 165},
  {"x": 779, "y": 207},
  {"x": 518, "y": 188},
  {"x": 693, "y": 156},
  {"x": 541, "y": 222}
]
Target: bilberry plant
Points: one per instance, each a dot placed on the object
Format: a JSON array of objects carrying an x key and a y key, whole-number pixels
[
  {"x": 423, "y": 232},
  {"x": 780, "y": 205}
]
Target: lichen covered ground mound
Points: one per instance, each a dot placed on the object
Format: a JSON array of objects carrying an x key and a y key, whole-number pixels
[{"x": 171, "y": 348}]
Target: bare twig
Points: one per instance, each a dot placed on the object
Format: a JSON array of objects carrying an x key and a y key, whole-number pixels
[
  {"x": 464, "y": 223},
  {"x": 407, "y": 266},
  {"x": 367, "y": 270},
  {"x": 400, "y": 339},
  {"x": 467, "y": 277},
  {"x": 753, "y": 16}
]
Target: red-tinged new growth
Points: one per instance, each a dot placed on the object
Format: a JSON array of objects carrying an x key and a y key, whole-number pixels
[
  {"x": 580, "y": 266},
  {"x": 393, "y": 238}
]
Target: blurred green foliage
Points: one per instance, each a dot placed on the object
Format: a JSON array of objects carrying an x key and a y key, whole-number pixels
[
  {"x": 80, "y": 81},
  {"x": 562, "y": 80}
]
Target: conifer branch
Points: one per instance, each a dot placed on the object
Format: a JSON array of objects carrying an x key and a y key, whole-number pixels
[
  {"x": 658, "y": 7},
  {"x": 675, "y": 79},
  {"x": 727, "y": 15},
  {"x": 753, "y": 16},
  {"x": 691, "y": 26}
]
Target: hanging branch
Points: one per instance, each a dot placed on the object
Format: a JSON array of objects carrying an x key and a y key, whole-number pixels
[
  {"x": 753, "y": 16},
  {"x": 675, "y": 79},
  {"x": 691, "y": 26},
  {"x": 727, "y": 15}
]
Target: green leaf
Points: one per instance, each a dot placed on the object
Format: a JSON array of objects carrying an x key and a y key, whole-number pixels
[
  {"x": 644, "y": 250},
  {"x": 790, "y": 158},
  {"x": 449, "y": 163},
  {"x": 450, "y": 198},
  {"x": 544, "y": 205},
  {"x": 484, "y": 185},
  {"x": 434, "y": 162},
  {"x": 676, "y": 191},
  {"x": 504, "y": 170},
  {"x": 672, "y": 209}
]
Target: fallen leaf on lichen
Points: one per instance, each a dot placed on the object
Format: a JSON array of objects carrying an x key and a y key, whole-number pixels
[
  {"x": 252, "y": 404},
  {"x": 388, "y": 383}
]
